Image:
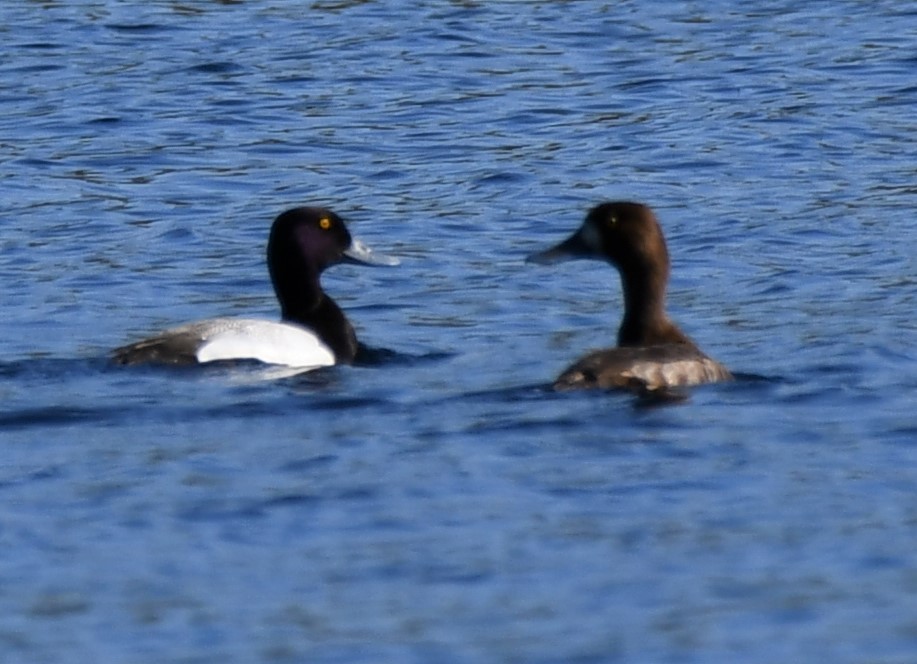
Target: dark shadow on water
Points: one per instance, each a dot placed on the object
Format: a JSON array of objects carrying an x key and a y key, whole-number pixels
[
  {"x": 750, "y": 378},
  {"x": 368, "y": 356},
  {"x": 160, "y": 393},
  {"x": 49, "y": 416},
  {"x": 531, "y": 392},
  {"x": 641, "y": 400}
]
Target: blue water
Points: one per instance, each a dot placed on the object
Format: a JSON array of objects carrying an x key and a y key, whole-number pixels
[{"x": 442, "y": 505}]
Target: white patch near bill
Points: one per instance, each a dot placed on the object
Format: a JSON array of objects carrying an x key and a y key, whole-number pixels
[{"x": 590, "y": 237}]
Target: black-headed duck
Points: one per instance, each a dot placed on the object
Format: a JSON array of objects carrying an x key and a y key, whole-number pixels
[{"x": 313, "y": 332}]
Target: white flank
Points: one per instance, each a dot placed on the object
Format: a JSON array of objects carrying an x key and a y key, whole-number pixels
[{"x": 266, "y": 341}]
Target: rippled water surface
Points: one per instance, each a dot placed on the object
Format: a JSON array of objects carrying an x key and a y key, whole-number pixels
[{"x": 441, "y": 504}]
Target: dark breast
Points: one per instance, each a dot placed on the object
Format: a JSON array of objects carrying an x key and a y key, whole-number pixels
[
  {"x": 328, "y": 321},
  {"x": 642, "y": 369}
]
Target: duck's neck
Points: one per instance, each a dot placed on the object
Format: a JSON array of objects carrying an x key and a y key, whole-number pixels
[
  {"x": 306, "y": 304},
  {"x": 645, "y": 321}
]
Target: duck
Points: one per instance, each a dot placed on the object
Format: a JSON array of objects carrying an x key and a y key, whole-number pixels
[
  {"x": 653, "y": 355},
  {"x": 313, "y": 331}
]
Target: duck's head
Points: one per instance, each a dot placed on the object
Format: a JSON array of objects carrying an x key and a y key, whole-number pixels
[
  {"x": 623, "y": 233},
  {"x": 307, "y": 240}
]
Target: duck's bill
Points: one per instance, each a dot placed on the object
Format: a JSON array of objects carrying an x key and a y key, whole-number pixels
[
  {"x": 570, "y": 249},
  {"x": 360, "y": 254}
]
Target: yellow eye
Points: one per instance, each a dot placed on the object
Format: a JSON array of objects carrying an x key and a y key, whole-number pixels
[
  {"x": 612, "y": 220},
  {"x": 324, "y": 223}
]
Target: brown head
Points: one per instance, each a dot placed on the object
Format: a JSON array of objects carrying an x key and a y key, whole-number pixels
[{"x": 628, "y": 236}]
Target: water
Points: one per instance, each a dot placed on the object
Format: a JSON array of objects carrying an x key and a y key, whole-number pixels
[{"x": 442, "y": 505}]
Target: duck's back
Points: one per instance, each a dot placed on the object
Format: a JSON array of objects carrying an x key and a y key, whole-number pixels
[{"x": 643, "y": 369}]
